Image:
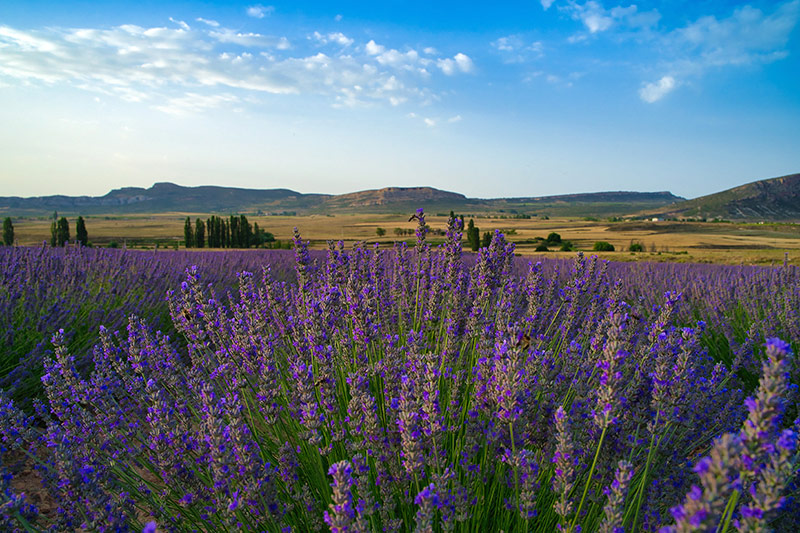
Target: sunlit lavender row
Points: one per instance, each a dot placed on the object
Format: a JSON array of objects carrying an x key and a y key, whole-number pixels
[{"x": 408, "y": 390}]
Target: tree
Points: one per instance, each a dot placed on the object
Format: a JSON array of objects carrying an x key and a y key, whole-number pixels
[
  {"x": 603, "y": 246},
  {"x": 62, "y": 232},
  {"x": 8, "y": 232},
  {"x": 542, "y": 247},
  {"x": 487, "y": 239},
  {"x": 567, "y": 246},
  {"x": 473, "y": 236},
  {"x": 554, "y": 238},
  {"x": 199, "y": 234},
  {"x": 380, "y": 232},
  {"x": 80, "y": 232},
  {"x": 188, "y": 234},
  {"x": 636, "y": 247}
]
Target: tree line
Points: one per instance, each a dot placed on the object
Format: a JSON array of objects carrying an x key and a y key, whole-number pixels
[
  {"x": 60, "y": 235},
  {"x": 218, "y": 232}
]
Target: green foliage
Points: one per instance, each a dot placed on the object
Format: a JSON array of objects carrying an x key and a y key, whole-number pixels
[
  {"x": 636, "y": 247},
  {"x": 59, "y": 232},
  {"x": 542, "y": 248},
  {"x": 554, "y": 238},
  {"x": 199, "y": 234},
  {"x": 567, "y": 246},
  {"x": 188, "y": 233},
  {"x": 113, "y": 244},
  {"x": 603, "y": 246},
  {"x": 8, "y": 232},
  {"x": 81, "y": 235},
  {"x": 487, "y": 239},
  {"x": 473, "y": 236},
  {"x": 380, "y": 232}
]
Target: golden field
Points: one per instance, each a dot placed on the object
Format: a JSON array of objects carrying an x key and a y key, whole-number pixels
[{"x": 721, "y": 242}]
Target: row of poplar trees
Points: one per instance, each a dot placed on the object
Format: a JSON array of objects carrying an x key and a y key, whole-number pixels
[
  {"x": 217, "y": 232},
  {"x": 59, "y": 232}
]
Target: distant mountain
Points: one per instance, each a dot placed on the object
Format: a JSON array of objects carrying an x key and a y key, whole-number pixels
[
  {"x": 770, "y": 199},
  {"x": 168, "y": 197}
]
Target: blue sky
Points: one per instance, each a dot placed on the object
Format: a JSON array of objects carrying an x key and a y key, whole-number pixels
[{"x": 505, "y": 99}]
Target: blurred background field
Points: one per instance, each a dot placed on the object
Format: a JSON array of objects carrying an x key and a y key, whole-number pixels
[{"x": 714, "y": 242}]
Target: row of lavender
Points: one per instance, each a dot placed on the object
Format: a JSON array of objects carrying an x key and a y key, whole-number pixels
[
  {"x": 419, "y": 390},
  {"x": 76, "y": 289}
]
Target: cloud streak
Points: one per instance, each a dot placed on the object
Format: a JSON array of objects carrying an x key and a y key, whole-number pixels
[{"x": 182, "y": 70}]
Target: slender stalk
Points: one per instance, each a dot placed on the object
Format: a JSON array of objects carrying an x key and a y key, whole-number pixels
[{"x": 589, "y": 479}]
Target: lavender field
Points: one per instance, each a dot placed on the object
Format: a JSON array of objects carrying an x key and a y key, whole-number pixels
[{"x": 414, "y": 389}]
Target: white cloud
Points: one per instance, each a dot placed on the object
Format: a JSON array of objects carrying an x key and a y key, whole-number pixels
[
  {"x": 747, "y": 36},
  {"x": 258, "y": 11},
  {"x": 514, "y": 49},
  {"x": 507, "y": 44},
  {"x": 374, "y": 49},
  {"x": 338, "y": 18},
  {"x": 244, "y": 39},
  {"x": 546, "y": 4},
  {"x": 180, "y": 23},
  {"x": 429, "y": 122},
  {"x": 597, "y": 19},
  {"x": 171, "y": 68},
  {"x": 464, "y": 62},
  {"x": 459, "y": 63},
  {"x": 212, "y": 23},
  {"x": 453, "y": 120},
  {"x": 334, "y": 37},
  {"x": 653, "y": 92}
]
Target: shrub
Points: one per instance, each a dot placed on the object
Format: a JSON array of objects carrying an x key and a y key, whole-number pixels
[
  {"x": 636, "y": 247},
  {"x": 554, "y": 238},
  {"x": 603, "y": 246},
  {"x": 542, "y": 248},
  {"x": 567, "y": 246}
]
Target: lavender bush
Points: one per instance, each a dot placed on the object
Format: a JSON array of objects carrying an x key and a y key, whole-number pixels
[{"x": 416, "y": 390}]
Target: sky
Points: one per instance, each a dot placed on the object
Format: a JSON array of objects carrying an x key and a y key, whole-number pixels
[{"x": 489, "y": 100}]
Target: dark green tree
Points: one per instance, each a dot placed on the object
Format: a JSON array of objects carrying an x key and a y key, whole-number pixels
[
  {"x": 603, "y": 246},
  {"x": 8, "y": 232},
  {"x": 188, "y": 234},
  {"x": 380, "y": 232},
  {"x": 487, "y": 239},
  {"x": 199, "y": 234},
  {"x": 234, "y": 228},
  {"x": 80, "y": 232},
  {"x": 473, "y": 236},
  {"x": 62, "y": 232},
  {"x": 53, "y": 233},
  {"x": 554, "y": 238},
  {"x": 246, "y": 232}
]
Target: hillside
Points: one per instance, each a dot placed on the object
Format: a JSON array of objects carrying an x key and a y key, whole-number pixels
[
  {"x": 168, "y": 198},
  {"x": 770, "y": 199}
]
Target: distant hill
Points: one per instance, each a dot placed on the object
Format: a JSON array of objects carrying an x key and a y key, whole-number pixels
[
  {"x": 770, "y": 199},
  {"x": 168, "y": 197},
  {"x": 164, "y": 197}
]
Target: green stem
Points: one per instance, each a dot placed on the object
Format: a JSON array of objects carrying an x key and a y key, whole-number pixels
[{"x": 589, "y": 479}]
